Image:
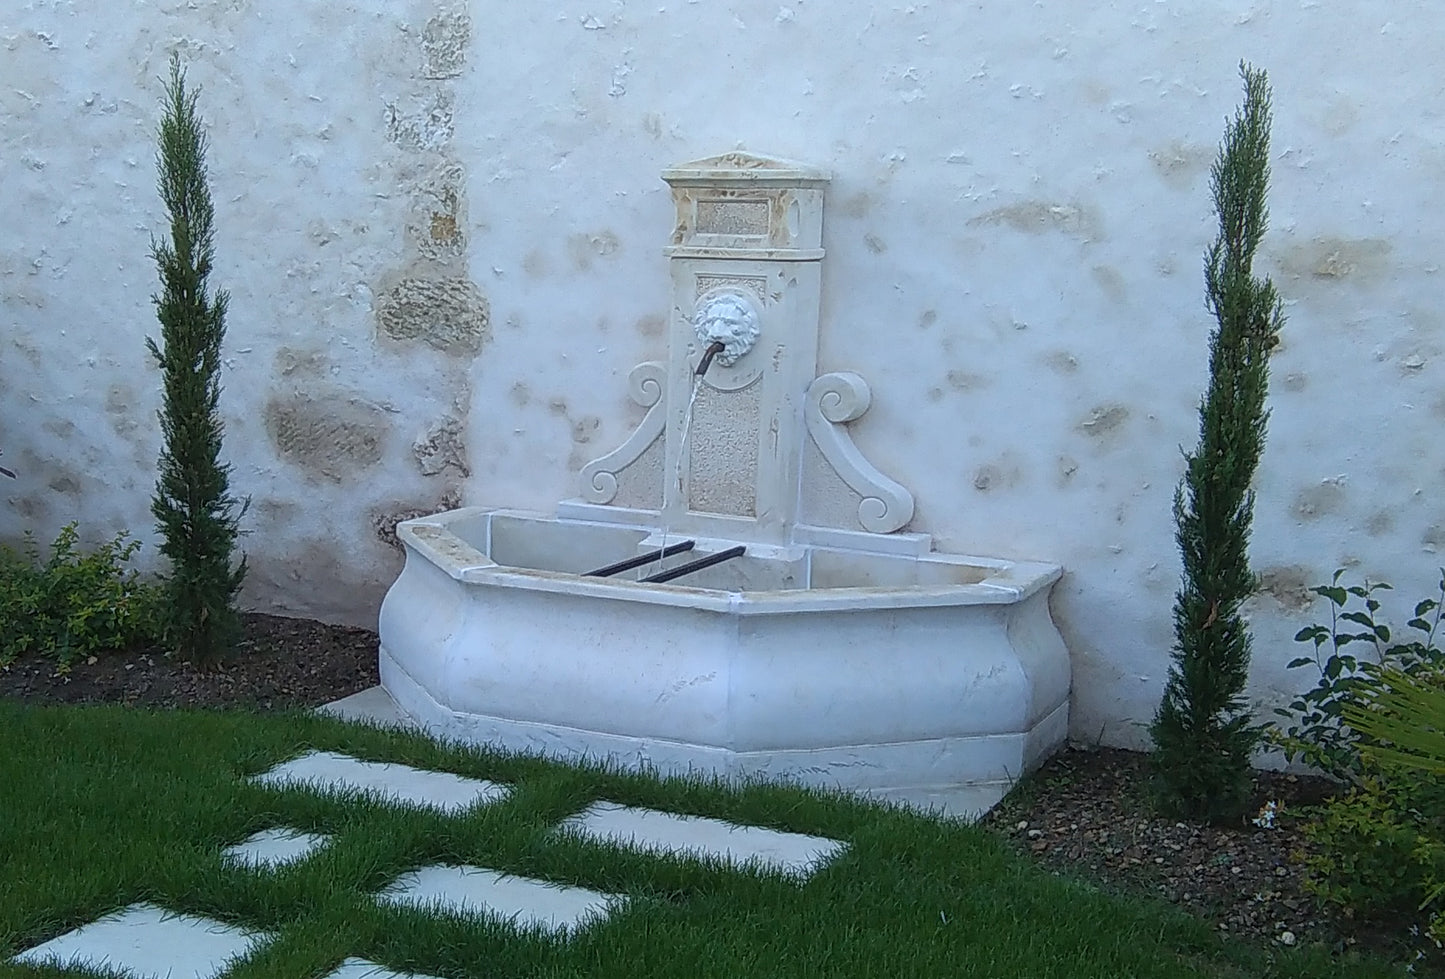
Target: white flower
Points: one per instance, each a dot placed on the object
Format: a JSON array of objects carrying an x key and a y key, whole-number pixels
[{"x": 1267, "y": 812}]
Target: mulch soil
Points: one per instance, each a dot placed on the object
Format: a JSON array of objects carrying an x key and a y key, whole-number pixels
[
  {"x": 280, "y": 663},
  {"x": 1085, "y": 813}
]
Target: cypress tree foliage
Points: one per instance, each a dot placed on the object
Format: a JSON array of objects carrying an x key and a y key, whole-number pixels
[
  {"x": 1203, "y": 736},
  {"x": 196, "y": 514}
]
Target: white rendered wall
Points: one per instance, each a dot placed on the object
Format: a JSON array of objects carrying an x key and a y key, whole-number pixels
[{"x": 441, "y": 227}]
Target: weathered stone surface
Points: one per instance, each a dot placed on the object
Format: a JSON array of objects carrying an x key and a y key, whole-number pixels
[
  {"x": 449, "y": 314},
  {"x": 442, "y": 448},
  {"x": 333, "y": 438}
]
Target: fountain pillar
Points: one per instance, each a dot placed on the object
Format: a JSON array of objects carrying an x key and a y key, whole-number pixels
[
  {"x": 727, "y": 448},
  {"x": 746, "y": 265}
]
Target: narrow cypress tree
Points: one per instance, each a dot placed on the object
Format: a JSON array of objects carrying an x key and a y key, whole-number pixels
[
  {"x": 197, "y": 516},
  {"x": 1203, "y": 736}
]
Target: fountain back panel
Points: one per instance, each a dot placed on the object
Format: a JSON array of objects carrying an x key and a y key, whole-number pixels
[{"x": 853, "y": 656}]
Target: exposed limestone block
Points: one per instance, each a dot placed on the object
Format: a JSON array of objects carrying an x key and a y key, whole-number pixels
[
  {"x": 444, "y": 43},
  {"x": 438, "y": 220},
  {"x": 441, "y": 448},
  {"x": 385, "y": 518},
  {"x": 422, "y": 123},
  {"x": 447, "y": 313},
  {"x": 332, "y": 438}
]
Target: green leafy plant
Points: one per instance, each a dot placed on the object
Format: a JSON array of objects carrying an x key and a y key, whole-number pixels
[
  {"x": 1374, "y": 719},
  {"x": 1350, "y": 654},
  {"x": 70, "y": 603},
  {"x": 1203, "y": 733},
  {"x": 1381, "y": 847},
  {"x": 197, "y": 516},
  {"x": 1403, "y": 717}
]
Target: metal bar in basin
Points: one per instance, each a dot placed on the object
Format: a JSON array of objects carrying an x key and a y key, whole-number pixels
[
  {"x": 702, "y": 562},
  {"x": 641, "y": 559}
]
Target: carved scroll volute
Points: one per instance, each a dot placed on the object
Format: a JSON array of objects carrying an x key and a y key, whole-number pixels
[
  {"x": 646, "y": 385},
  {"x": 833, "y": 401}
]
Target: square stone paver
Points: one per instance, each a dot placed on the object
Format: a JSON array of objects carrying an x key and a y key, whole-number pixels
[
  {"x": 649, "y": 829},
  {"x": 362, "y": 969},
  {"x": 372, "y": 706},
  {"x": 149, "y": 943},
  {"x": 326, "y": 771},
  {"x": 273, "y": 848},
  {"x": 474, "y": 890}
]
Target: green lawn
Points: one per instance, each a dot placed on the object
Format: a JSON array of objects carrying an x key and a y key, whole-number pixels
[{"x": 104, "y": 807}]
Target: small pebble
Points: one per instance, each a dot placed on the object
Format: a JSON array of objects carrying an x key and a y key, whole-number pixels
[
  {"x": 1035, "y": 833},
  {"x": 1281, "y": 872},
  {"x": 1234, "y": 870},
  {"x": 1286, "y": 938},
  {"x": 1158, "y": 859},
  {"x": 1022, "y": 825}
]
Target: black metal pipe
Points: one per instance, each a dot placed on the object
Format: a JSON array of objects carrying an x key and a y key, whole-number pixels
[
  {"x": 713, "y": 349},
  {"x": 698, "y": 565},
  {"x": 641, "y": 559}
]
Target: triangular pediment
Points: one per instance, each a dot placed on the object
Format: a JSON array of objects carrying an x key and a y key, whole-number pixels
[{"x": 743, "y": 167}]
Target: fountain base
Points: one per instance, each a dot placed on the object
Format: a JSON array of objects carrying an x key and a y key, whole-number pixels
[{"x": 925, "y": 678}]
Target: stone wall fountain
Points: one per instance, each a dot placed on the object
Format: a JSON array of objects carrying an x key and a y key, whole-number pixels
[{"x": 806, "y": 635}]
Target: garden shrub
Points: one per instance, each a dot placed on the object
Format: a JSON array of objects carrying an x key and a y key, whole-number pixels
[
  {"x": 71, "y": 603},
  {"x": 1404, "y": 718},
  {"x": 196, "y": 514},
  {"x": 1381, "y": 846},
  {"x": 1203, "y": 733},
  {"x": 1319, "y": 734}
]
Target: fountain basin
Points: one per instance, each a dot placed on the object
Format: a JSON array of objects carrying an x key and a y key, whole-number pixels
[{"x": 907, "y": 676}]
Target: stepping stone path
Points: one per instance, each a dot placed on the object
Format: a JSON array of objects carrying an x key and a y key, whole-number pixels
[
  {"x": 273, "y": 848},
  {"x": 362, "y": 969},
  {"x": 148, "y": 942},
  {"x": 698, "y": 836},
  {"x": 325, "y": 771},
  {"x": 473, "y": 890}
]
